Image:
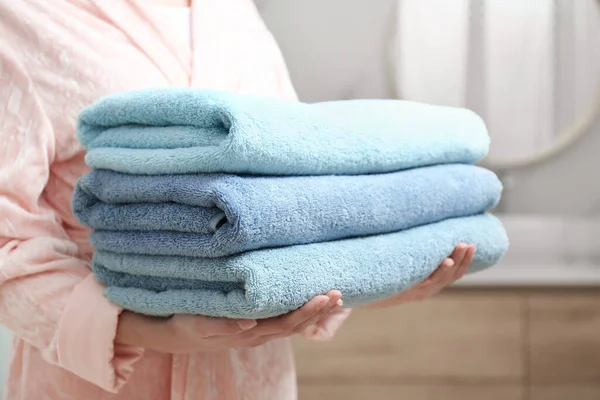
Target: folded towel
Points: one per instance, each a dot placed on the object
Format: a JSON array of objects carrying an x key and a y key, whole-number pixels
[
  {"x": 219, "y": 215},
  {"x": 272, "y": 282},
  {"x": 183, "y": 130}
]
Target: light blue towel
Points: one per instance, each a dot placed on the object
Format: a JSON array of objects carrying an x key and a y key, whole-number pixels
[
  {"x": 183, "y": 130},
  {"x": 271, "y": 282},
  {"x": 217, "y": 215}
]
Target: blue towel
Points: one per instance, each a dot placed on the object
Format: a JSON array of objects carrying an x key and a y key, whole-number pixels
[
  {"x": 266, "y": 283},
  {"x": 218, "y": 215},
  {"x": 183, "y": 130}
]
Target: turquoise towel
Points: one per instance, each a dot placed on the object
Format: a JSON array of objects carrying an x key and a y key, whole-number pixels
[
  {"x": 182, "y": 130},
  {"x": 266, "y": 283},
  {"x": 218, "y": 215}
]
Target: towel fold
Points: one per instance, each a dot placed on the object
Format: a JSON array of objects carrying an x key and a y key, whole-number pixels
[
  {"x": 270, "y": 282},
  {"x": 219, "y": 215},
  {"x": 183, "y": 130}
]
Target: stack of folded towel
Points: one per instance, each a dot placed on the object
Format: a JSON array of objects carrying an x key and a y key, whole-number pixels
[{"x": 212, "y": 203}]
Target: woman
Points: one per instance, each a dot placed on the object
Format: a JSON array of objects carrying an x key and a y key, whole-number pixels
[{"x": 56, "y": 57}]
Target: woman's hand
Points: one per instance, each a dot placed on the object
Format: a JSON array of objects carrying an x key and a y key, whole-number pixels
[
  {"x": 450, "y": 270},
  {"x": 189, "y": 333},
  {"x": 327, "y": 327},
  {"x": 318, "y": 319}
]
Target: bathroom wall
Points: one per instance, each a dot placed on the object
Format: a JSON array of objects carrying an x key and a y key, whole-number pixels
[
  {"x": 338, "y": 49},
  {"x": 568, "y": 184},
  {"x": 5, "y": 341},
  {"x": 334, "y": 48}
]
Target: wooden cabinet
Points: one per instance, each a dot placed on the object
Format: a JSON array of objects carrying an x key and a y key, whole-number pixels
[{"x": 464, "y": 344}]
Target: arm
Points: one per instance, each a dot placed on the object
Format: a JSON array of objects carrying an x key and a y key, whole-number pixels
[
  {"x": 47, "y": 295},
  {"x": 451, "y": 270}
]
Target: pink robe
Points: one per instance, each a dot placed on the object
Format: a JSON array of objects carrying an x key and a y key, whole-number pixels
[{"x": 57, "y": 57}]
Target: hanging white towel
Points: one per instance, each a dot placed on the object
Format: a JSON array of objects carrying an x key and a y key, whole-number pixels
[
  {"x": 432, "y": 44},
  {"x": 519, "y": 61},
  {"x": 494, "y": 56}
]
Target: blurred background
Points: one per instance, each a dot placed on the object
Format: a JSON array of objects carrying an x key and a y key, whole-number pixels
[{"x": 530, "y": 327}]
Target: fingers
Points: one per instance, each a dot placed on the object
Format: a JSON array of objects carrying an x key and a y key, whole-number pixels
[
  {"x": 335, "y": 298},
  {"x": 289, "y": 321},
  {"x": 459, "y": 262},
  {"x": 310, "y": 323},
  {"x": 445, "y": 268},
  {"x": 297, "y": 324},
  {"x": 459, "y": 253},
  {"x": 332, "y": 306},
  {"x": 327, "y": 326},
  {"x": 466, "y": 262},
  {"x": 294, "y": 322},
  {"x": 453, "y": 268}
]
